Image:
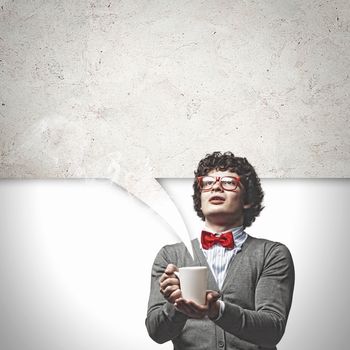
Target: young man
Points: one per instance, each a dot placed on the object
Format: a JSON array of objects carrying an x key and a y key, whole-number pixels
[{"x": 250, "y": 280}]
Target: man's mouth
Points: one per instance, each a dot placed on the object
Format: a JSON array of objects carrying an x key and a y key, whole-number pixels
[{"x": 216, "y": 200}]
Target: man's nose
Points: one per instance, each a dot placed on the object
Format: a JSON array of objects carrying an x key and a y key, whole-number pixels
[{"x": 217, "y": 186}]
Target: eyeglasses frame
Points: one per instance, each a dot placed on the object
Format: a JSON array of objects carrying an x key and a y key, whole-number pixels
[{"x": 218, "y": 178}]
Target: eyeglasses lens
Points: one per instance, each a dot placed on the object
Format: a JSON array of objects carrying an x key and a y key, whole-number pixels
[{"x": 227, "y": 183}]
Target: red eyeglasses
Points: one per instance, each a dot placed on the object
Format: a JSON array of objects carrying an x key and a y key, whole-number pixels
[{"x": 227, "y": 183}]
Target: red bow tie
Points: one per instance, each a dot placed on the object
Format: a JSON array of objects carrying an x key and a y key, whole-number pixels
[{"x": 208, "y": 239}]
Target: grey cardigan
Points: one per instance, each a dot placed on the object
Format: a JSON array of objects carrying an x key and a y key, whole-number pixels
[{"x": 257, "y": 293}]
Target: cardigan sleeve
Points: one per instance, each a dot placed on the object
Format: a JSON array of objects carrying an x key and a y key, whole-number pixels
[
  {"x": 265, "y": 325},
  {"x": 163, "y": 321}
]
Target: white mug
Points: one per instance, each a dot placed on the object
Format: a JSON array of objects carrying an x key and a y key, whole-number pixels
[{"x": 193, "y": 283}]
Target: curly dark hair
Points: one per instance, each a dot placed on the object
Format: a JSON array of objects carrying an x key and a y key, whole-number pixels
[{"x": 227, "y": 161}]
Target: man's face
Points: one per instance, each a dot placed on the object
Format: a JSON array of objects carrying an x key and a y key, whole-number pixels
[{"x": 221, "y": 207}]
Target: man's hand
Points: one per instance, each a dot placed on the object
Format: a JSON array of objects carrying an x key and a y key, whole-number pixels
[
  {"x": 170, "y": 284},
  {"x": 170, "y": 288},
  {"x": 194, "y": 310}
]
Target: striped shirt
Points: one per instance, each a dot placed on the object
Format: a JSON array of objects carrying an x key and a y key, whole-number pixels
[{"x": 219, "y": 257}]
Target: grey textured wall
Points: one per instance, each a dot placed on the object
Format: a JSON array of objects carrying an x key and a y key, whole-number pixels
[{"x": 105, "y": 88}]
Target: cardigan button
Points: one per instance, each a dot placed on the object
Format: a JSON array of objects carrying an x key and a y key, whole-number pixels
[{"x": 221, "y": 344}]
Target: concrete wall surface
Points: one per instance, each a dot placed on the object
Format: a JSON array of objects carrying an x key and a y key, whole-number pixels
[{"x": 158, "y": 84}]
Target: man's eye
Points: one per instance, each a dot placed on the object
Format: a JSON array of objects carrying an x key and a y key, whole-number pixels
[{"x": 228, "y": 182}]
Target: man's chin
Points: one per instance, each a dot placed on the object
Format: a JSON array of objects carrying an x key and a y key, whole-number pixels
[{"x": 224, "y": 219}]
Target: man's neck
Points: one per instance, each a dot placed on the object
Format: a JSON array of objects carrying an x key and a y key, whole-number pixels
[{"x": 222, "y": 227}]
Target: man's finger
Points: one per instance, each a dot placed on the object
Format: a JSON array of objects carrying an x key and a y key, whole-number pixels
[
  {"x": 169, "y": 290},
  {"x": 163, "y": 277},
  {"x": 212, "y": 296},
  {"x": 169, "y": 282},
  {"x": 170, "y": 269},
  {"x": 174, "y": 296}
]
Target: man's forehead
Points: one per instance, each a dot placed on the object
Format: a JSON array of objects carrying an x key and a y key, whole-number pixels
[{"x": 218, "y": 172}]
